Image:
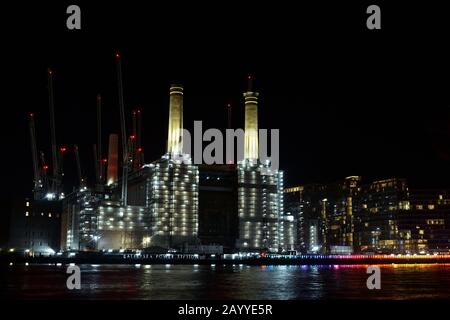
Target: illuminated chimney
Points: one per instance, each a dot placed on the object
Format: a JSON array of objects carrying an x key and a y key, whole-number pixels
[
  {"x": 175, "y": 136},
  {"x": 251, "y": 124},
  {"x": 113, "y": 159}
]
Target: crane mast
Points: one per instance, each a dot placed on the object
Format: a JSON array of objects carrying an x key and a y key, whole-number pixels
[
  {"x": 99, "y": 162},
  {"x": 125, "y": 160},
  {"x": 55, "y": 175},
  {"x": 44, "y": 169},
  {"x": 77, "y": 159},
  {"x": 140, "y": 154},
  {"x": 37, "y": 190}
]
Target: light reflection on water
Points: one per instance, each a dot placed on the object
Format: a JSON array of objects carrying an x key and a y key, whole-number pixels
[{"x": 418, "y": 281}]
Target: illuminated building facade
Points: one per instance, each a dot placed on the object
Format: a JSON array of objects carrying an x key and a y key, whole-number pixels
[
  {"x": 173, "y": 201},
  {"x": 94, "y": 221},
  {"x": 288, "y": 232},
  {"x": 79, "y": 221},
  {"x": 338, "y": 211},
  {"x": 307, "y": 204},
  {"x": 122, "y": 227},
  {"x": 293, "y": 206},
  {"x": 260, "y": 205}
]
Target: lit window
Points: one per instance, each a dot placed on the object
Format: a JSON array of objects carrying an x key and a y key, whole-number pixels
[
  {"x": 26, "y": 214},
  {"x": 27, "y": 204},
  {"x": 42, "y": 214},
  {"x": 49, "y": 215},
  {"x": 419, "y": 207},
  {"x": 431, "y": 207}
]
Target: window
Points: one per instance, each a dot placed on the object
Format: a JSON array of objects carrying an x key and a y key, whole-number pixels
[
  {"x": 419, "y": 207},
  {"x": 431, "y": 207},
  {"x": 27, "y": 204},
  {"x": 27, "y": 214},
  {"x": 49, "y": 214},
  {"x": 436, "y": 221}
]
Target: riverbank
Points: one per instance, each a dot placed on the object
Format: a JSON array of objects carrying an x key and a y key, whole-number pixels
[{"x": 235, "y": 259}]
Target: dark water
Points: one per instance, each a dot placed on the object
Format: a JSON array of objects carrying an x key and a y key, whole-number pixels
[{"x": 225, "y": 282}]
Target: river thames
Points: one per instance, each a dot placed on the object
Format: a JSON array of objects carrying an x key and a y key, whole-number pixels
[{"x": 225, "y": 282}]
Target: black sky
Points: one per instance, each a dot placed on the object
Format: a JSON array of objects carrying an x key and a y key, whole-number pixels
[{"x": 347, "y": 101}]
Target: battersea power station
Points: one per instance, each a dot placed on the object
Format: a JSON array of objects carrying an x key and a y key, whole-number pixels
[
  {"x": 174, "y": 204},
  {"x": 169, "y": 205}
]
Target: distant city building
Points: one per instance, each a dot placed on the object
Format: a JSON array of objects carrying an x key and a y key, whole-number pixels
[
  {"x": 380, "y": 217},
  {"x": 324, "y": 215},
  {"x": 394, "y": 219},
  {"x": 35, "y": 227},
  {"x": 293, "y": 206},
  {"x": 376, "y": 214}
]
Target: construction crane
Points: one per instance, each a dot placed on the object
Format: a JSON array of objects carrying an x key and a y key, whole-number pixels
[
  {"x": 55, "y": 176},
  {"x": 131, "y": 152},
  {"x": 96, "y": 163},
  {"x": 99, "y": 160},
  {"x": 133, "y": 142},
  {"x": 59, "y": 194},
  {"x": 37, "y": 189},
  {"x": 137, "y": 158},
  {"x": 125, "y": 160},
  {"x": 139, "y": 151},
  {"x": 44, "y": 169},
  {"x": 77, "y": 159}
]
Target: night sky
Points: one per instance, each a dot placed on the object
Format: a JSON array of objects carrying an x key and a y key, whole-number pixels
[{"x": 347, "y": 100}]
